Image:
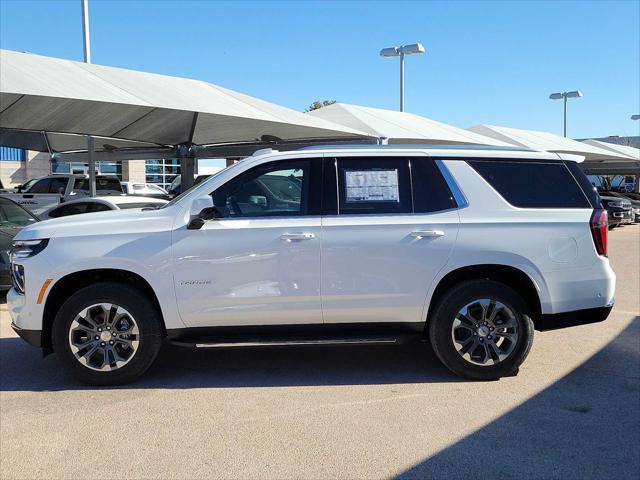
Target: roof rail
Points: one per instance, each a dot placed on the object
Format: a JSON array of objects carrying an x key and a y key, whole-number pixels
[{"x": 417, "y": 147}]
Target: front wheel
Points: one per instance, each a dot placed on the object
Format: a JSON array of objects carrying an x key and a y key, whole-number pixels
[
  {"x": 107, "y": 334},
  {"x": 482, "y": 330}
]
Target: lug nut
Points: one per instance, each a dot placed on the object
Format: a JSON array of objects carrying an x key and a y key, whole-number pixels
[
  {"x": 102, "y": 344},
  {"x": 491, "y": 328},
  {"x": 99, "y": 329},
  {"x": 97, "y": 337},
  {"x": 108, "y": 328},
  {"x": 489, "y": 337},
  {"x": 475, "y": 333},
  {"x": 482, "y": 339},
  {"x": 111, "y": 342}
]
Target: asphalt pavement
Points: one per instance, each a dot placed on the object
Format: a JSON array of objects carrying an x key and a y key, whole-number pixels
[{"x": 573, "y": 411}]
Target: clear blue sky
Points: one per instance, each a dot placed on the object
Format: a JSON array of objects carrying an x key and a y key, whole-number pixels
[{"x": 486, "y": 62}]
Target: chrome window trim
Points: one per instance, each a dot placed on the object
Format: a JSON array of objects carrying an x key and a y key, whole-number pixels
[{"x": 456, "y": 191}]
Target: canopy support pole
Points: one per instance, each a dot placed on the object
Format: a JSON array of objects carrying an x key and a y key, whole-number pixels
[
  {"x": 187, "y": 166},
  {"x": 92, "y": 167}
]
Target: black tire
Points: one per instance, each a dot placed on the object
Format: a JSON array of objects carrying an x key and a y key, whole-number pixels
[
  {"x": 445, "y": 312},
  {"x": 146, "y": 317}
]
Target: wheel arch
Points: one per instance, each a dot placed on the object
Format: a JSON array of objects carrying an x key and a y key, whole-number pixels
[
  {"x": 514, "y": 277},
  {"x": 71, "y": 283}
]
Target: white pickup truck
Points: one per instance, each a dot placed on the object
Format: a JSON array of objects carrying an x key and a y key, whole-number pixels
[{"x": 46, "y": 192}]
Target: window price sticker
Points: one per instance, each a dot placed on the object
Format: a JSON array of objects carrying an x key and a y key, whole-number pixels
[{"x": 372, "y": 185}]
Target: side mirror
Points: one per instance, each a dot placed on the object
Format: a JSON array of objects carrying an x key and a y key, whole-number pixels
[
  {"x": 209, "y": 213},
  {"x": 19, "y": 188},
  {"x": 203, "y": 210}
]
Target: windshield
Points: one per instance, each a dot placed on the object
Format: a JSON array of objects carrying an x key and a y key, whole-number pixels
[{"x": 13, "y": 215}]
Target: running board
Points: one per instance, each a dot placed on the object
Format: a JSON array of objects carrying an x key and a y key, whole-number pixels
[
  {"x": 297, "y": 343},
  {"x": 292, "y": 336}
]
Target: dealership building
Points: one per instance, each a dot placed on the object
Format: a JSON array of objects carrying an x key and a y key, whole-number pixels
[{"x": 17, "y": 166}]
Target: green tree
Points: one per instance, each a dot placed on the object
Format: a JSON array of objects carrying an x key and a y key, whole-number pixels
[{"x": 318, "y": 104}]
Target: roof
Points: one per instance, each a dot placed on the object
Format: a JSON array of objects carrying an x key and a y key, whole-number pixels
[
  {"x": 546, "y": 141},
  {"x": 44, "y": 94},
  {"x": 400, "y": 127},
  {"x": 117, "y": 200},
  {"x": 616, "y": 148}
]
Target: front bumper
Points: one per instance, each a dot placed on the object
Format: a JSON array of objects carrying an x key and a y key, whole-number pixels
[
  {"x": 32, "y": 337},
  {"x": 555, "y": 321}
]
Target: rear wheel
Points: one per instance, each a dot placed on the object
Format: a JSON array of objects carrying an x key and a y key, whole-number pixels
[
  {"x": 481, "y": 329},
  {"x": 107, "y": 334}
]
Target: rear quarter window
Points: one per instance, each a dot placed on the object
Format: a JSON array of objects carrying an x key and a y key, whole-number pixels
[{"x": 527, "y": 184}]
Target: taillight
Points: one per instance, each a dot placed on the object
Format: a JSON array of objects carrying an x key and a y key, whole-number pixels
[{"x": 599, "y": 224}]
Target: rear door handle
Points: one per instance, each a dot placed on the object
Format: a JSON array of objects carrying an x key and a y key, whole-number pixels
[
  {"x": 291, "y": 237},
  {"x": 427, "y": 233}
]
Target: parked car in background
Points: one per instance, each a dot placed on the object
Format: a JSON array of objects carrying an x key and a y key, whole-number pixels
[
  {"x": 26, "y": 185},
  {"x": 176, "y": 185},
  {"x": 339, "y": 245},
  {"x": 634, "y": 198},
  {"x": 100, "y": 204},
  {"x": 51, "y": 190},
  {"x": 145, "y": 190},
  {"x": 618, "y": 210},
  {"x": 13, "y": 217}
]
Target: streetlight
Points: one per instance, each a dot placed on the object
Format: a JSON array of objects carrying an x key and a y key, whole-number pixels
[
  {"x": 86, "y": 42},
  {"x": 564, "y": 96},
  {"x": 401, "y": 51},
  {"x": 635, "y": 117}
]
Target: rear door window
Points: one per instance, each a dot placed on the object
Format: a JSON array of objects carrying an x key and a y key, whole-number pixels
[
  {"x": 535, "y": 184},
  {"x": 70, "y": 209},
  {"x": 108, "y": 184},
  {"x": 373, "y": 185},
  {"x": 430, "y": 190},
  {"x": 58, "y": 185}
]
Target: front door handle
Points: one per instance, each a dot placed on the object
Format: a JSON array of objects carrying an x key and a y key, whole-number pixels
[
  {"x": 427, "y": 233},
  {"x": 291, "y": 237}
]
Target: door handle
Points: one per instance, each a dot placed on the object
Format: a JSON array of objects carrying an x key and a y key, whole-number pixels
[
  {"x": 291, "y": 237},
  {"x": 427, "y": 233}
]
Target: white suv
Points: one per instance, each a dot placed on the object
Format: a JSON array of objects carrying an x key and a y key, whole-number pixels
[{"x": 470, "y": 248}]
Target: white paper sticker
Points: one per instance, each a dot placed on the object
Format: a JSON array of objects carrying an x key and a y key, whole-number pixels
[{"x": 372, "y": 186}]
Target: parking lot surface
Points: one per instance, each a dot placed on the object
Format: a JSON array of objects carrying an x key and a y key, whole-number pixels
[{"x": 573, "y": 411}]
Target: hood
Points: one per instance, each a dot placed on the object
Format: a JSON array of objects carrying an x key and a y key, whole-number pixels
[{"x": 101, "y": 223}]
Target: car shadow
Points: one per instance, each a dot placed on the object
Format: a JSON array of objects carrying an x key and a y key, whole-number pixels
[
  {"x": 585, "y": 425},
  {"x": 23, "y": 368}
]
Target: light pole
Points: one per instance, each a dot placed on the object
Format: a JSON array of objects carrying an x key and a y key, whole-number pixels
[
  {"x": 564, "y": 96},
  {"x": 86, "y": 41},
  {"x": 401, "y": 51}
]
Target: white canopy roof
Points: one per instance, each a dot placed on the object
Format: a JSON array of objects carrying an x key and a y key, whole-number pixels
[
  {"x": 549, "y": 142},
  {"x": 614, "y": 147},
  {"x": 44, "y": 94},
  {"x": 400, "y": 127}
]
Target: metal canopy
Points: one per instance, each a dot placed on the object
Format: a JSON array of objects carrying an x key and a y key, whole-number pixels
[
  {"x": 400, "y": 127},
  {"x": 549, "y": 142},
  {"x": 44, "y": 94}
]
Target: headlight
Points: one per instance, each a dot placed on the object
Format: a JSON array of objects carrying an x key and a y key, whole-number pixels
[{"x": 27, "y": 248}]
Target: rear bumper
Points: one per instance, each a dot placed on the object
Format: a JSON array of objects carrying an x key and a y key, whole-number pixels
[
  {"x": 32, "y": 337},
  {"x": 555, "y": 321}
]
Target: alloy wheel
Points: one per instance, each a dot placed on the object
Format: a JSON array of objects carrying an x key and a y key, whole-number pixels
[
  {"x": 485, "y": 332},
  {"x": 104, "y": 337}
]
